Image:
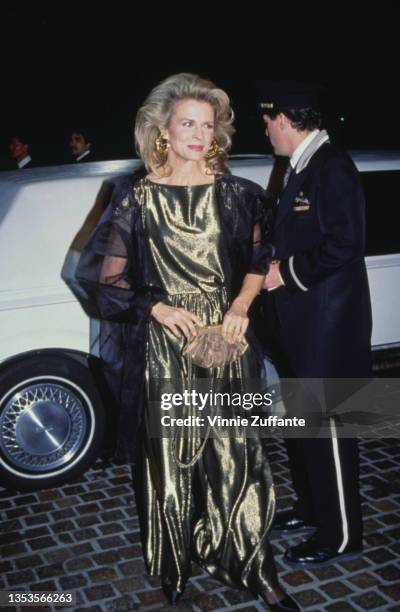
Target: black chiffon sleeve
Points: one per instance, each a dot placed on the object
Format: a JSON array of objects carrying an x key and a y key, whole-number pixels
[
  {"x": 111, "y": 267},
  {"x": 263, "y": 250}
]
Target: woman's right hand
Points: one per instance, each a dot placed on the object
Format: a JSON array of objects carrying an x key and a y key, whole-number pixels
[{"x": 178, "y": 320}]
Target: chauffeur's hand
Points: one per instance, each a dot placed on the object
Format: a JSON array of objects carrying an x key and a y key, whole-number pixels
[
  {"x": 235, "y": 322},
  {"x": 178, "y": 320},
  {"x": 273, "y": 280}
]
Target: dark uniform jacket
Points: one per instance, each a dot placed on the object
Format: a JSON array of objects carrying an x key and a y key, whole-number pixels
[{"x": 324, "y": 308}]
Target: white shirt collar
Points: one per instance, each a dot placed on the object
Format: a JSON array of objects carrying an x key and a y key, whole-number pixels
[
  {"x": 299, "y": 150},
  {"x": 83, "y": 155},
  {"x": 24, "y": 161}
]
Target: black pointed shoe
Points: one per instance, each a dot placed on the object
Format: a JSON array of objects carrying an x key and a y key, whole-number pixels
[
  {"x": 173, "y": 595},
  {"x": 286, "y": 603},
  {"x": 313, "y": 553},
  {"x": 289, "y": 522}
]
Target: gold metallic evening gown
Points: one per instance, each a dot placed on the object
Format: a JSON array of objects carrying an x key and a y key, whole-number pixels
[{"x": 209, "y": 501}]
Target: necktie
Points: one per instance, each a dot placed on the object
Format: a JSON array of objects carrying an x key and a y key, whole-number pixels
[{"x": 288, "y": 173}]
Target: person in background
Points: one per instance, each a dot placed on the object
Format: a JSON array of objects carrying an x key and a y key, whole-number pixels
[
  {"x": 80, "y": 145},
  {"x": 19, "y": 149}
]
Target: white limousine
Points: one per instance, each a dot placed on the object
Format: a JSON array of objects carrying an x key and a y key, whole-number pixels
[{"x": 52, "y": 413}]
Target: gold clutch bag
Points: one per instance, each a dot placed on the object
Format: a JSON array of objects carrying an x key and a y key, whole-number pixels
[{"x": 210, "y": 350}]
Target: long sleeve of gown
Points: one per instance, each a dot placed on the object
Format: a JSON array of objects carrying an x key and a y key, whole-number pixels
[{"x": 111, "y": 269}]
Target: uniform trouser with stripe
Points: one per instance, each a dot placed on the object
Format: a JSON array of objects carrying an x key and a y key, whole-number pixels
[{"x": 325, "y": 473}]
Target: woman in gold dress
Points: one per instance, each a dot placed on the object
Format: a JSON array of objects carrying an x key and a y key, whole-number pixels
[{"x": 188, "y": 250}]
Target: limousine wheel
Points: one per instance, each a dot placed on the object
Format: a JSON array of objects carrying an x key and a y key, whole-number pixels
[{"x": 51, "y": 422}]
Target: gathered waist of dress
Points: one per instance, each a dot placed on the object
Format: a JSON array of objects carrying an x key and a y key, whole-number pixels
[
  {"x": 221, "y": 290},
  {"x": 210, "y": 306}
]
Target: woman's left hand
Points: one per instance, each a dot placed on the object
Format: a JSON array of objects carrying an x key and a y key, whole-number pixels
[{"x": 235, "y": 322}]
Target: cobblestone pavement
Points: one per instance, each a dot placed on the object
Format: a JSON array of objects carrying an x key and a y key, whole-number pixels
[{"x": 84, "y": 537}]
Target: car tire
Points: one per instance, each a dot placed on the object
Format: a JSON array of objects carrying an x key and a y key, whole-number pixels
[{"x": 51, "y": 422}]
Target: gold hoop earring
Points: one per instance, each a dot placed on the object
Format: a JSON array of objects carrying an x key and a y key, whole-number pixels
[
  {"x": 162, "y": 145},
  {"x": 213, "y": 150}
]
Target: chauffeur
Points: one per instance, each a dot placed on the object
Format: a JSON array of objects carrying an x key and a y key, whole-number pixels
[{"x": 321, "y": 302}]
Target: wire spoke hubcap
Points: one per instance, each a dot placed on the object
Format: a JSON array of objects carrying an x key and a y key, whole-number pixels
[{"x": 43, "y": 426}]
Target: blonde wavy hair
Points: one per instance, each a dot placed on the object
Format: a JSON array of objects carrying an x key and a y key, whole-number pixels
[{"x": 158, "y": 109}]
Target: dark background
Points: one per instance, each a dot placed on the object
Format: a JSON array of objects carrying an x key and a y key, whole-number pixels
[{"x": 81, "y": 64}]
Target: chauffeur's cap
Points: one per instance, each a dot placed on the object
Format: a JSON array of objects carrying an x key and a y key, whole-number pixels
[{"x": 275, "y": 96}]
